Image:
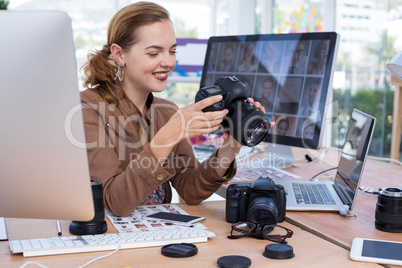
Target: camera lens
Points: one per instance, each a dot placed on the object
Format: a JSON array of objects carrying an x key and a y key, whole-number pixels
[
  {"x": 263, "y": 210},
  {"x": 388, "y": 214},
  {"x": 389, "y": 191},
  {"x": 248, "y": 125},
  {"x": 98, "y": 224},
  {"x": 257, "y": 132}
]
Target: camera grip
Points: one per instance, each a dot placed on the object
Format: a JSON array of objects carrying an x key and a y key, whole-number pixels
[{"x": 233, "y": 195}]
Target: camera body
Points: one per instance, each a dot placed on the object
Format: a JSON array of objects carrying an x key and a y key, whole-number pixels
[
  {"x": 260, "y": 202},
  {"x": 388, "y": 213},
  {"x": 247, "y": 124}
]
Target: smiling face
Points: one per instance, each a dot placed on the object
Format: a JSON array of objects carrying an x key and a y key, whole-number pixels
[
  {"x": 149, "y": 62},
  {"x": 308, "y": 132},
  {"x": 297, "y": 50},
  {"x": 283, "y": 127},
  {"x": 266, "y": 89}
]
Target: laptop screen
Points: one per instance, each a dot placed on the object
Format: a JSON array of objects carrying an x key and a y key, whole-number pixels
[{"x": 354, "y": 153}]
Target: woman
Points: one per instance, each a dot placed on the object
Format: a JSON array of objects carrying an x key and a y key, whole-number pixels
[
  {"x": 249, "y": 63},
  {"x": 138, "y": 144},
  {"x": 319, "y": 62}
]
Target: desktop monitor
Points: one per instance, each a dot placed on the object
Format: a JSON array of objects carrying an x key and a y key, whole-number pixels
[
  {"x": 289, "y": 74},
  {"x": 44, "y": 166}
]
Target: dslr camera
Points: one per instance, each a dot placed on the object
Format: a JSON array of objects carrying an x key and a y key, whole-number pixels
[
  {"x": 260, "y": 202},
  {"x": 247, "y": 124},
  {"x": 388, "y": 213}
]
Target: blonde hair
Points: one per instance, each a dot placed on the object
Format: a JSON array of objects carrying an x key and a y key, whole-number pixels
[{"x": 100, "y": 69}]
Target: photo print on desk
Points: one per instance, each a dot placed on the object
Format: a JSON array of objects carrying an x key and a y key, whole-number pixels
[{"x": 136, "y": 221}]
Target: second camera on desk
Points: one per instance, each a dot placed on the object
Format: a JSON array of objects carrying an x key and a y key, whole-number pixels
[{"x": 261, "y": 202}]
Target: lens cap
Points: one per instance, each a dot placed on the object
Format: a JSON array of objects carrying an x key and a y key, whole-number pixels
[
  {"x": 234, "y": 261},
  {"x": 180, "y": 250},
  {"x": 278, "y": 251}
]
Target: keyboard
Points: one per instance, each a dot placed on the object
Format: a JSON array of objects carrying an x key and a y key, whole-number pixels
[
  {"x": 312, "y": 194},
  {"x": 90, "y": 243}
]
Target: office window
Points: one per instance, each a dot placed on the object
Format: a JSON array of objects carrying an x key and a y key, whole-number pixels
[
  {"x": 370, "y": 37},
  {"x": 295, "y": 16},
  {"x": 369, "y": 29},
  {"x": 90, "y": 19}
]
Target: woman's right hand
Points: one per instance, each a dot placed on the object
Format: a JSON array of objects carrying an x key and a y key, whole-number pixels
[{"x": 188, "y": 122}]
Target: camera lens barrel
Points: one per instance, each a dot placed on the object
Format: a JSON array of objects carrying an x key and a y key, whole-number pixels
[
  {"x": 98, "y": 224},
  {"x": 263, "y": 210},
  {"x": 388, "y": 214},
  {"x": 247, "y": 124}
]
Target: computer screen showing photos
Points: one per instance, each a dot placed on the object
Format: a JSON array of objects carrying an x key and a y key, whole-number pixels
[{"x": 289, "y": 74}]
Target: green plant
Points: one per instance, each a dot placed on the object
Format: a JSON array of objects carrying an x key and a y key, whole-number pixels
[{"x": 4, "y": 4}]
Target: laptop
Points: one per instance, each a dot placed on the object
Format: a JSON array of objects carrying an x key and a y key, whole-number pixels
[{"x": 340, "y": 194}]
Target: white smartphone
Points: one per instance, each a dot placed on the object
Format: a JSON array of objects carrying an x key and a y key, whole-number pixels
[
  {"x": 180, "y": 219},
  {"x": 378, "y": 251}
]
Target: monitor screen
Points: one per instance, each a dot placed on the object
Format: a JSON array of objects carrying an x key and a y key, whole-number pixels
[
  {"x": 44, "y": 166},
  {"x": 289, "y": 74}
]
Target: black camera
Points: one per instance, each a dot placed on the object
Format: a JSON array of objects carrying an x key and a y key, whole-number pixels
[
  {"x": 247, "y": 124},
  {"x": 260, "y": 202},
  {"x": 388, "y": 213},
  {"x": 98, "y": 224}
]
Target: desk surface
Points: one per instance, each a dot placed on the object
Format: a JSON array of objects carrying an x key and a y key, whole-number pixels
[
  {"x": 331, "y": 225},
  {"x": 310, "y": 250},
  {"x": 342, "y": 230}
]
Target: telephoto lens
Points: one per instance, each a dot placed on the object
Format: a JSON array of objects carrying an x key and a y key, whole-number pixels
[
  {"x": 388, "y": 213},
  {"x": 98, "y": 224},
  {"x": 244, "y": 122}
]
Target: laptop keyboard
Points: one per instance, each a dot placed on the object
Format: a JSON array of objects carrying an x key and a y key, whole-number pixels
[{"x": 312, "y": 194}]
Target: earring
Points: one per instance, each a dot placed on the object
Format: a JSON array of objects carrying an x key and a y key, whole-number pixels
[{"x": 120, "y": 73}]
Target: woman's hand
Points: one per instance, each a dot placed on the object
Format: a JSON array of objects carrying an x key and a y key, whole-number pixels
[
  {"x": 257, "y": 105},
  {"x": 190, "y": 121}
]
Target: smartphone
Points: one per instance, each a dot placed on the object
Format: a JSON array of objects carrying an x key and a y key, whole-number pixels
[
  {"x": 378, "y": 251},
  {"x": 180, "y": 219}
]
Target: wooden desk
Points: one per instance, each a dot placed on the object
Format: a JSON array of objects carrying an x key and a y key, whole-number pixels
[
  {"x": 331, "y": 225},
  {"x": 310, "y": 250},
  {"x": 341, "y": 230}
]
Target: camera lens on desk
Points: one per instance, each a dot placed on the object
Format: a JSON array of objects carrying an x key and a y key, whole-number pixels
[
  {"x": 388, "y": 214},
  {"x": 98, "y": 224}
]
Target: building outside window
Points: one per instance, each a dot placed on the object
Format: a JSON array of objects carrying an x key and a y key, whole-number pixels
[{"x": 369, "y": 38}]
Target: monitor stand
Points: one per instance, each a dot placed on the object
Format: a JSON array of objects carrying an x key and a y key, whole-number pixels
[
  {"x": 277, "y": 155},
  {"x": 3, "y": 230}
]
